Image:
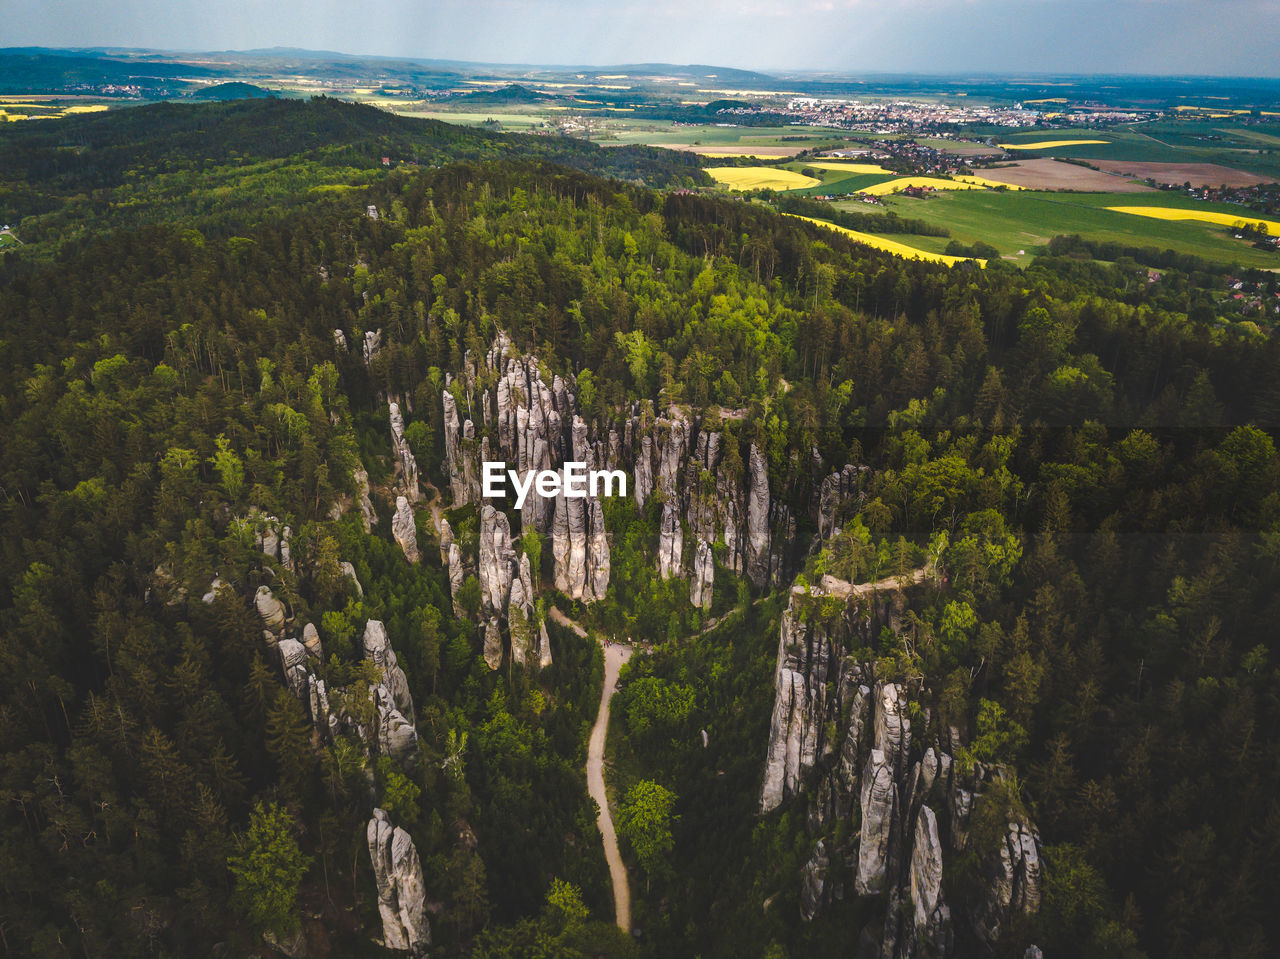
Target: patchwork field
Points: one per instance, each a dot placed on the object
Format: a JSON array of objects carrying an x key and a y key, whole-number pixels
[
  {"x": 1197, "y": 174},
  {"x": 891, "y": 246},
  {"x": 1203, "y": 216},
  {"x": 760, "y": 178},
  {"x": 1046, "y": 173},
  {"x": 1015, "y": 223}
]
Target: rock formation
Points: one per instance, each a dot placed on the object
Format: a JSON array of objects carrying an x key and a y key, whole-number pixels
[
  {"x": 497, "y": 564},
  {"x": 367, "y": 515},
  {"x": 405, "y": 530},
  {"x": 371, "y": 345},
  {"x": 402, "y": 894},
  {"x": 406, "y": 465},
  {"x": 842, "y": 743}
]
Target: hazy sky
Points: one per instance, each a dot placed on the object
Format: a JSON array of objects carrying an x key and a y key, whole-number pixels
[{"x": 1240, "y": 37}]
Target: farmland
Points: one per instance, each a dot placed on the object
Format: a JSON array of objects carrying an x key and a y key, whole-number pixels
[
  {"x": 1016, "y": 223},
  {"x": 895, "y": 247},
  {"x": 1050, "y": 144},
  {"x": 1204, "y": 216},
  {"x": 760, "y": 178}
]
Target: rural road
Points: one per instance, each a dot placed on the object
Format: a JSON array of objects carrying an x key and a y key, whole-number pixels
[{"x": 614, "y": 656}]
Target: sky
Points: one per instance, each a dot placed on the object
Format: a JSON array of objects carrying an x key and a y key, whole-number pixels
[{"x": 1226, "y": 37}]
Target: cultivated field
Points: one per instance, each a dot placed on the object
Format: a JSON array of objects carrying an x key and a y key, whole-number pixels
[
  {"x": 756, "y": 153},
  {"x": 1046, "y": 173},
  {"x": 1197, "y": 174},
  {"x": 1049, "y": 144},
  {"x": 760, "y": 178},
  {"x": 1015, "y": 223},
  {"x": 898, "y": 184},
  {"x": 891, "y": 246},
  {"x": 1245, "y": 217}
]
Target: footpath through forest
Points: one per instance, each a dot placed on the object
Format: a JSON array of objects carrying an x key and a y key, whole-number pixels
[{"x": 615, "y": 654}]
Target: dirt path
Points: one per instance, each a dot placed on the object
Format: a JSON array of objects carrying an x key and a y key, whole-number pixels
[{"x": 614, "y": 656}]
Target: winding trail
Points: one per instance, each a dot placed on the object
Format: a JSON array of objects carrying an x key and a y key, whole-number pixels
[{"x": 614, "y": 656}]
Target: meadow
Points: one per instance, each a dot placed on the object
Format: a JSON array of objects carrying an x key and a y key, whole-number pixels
[{"x": 1016, "y": 223}]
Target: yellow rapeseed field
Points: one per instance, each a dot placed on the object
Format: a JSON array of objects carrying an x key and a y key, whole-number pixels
[
  {"x": 850, "y": 168},
  {"x": 760, "y": 178},
  {"x": 1205, "y": 216},
  {"x": 938, "y": 183},
  {"x": 1049, "y": 144},
  {"x": 891, "y": 246}
]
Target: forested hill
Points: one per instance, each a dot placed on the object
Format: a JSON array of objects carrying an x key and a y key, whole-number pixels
[
  {"x": 154, "y": 161},
  {"x": 273, "y": 678}
]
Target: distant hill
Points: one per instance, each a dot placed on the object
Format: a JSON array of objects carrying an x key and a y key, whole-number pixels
[
  {"x": 115, "y": 148},
  {"x": 232, "y": 91},
  {"x": 505, "y": 96}
]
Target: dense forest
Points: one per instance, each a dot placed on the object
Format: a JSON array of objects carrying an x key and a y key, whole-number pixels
[{"x": 198, "y": 345}]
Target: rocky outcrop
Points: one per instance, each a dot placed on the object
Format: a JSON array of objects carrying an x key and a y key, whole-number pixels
[
  {"x": 493, "y": 643},
  {"x": 404, "y": 529},
  {"x": 497, "y": 560},
  {"x": 580, "y": 548},
  {"x": 273, "y": 611},
  {"x": 371, "y": 345},
  {"x": 757, "y": 532},
  {"x": 930, "y": 915},
  {"x": 839, "y": 496},
  {"x": 367, "y": 515},
  {"x": 702, "y": 580},
  {"x": 402, "y": 894},
  {"x": 311, "y": 641},
  {"x": 813, "y": 880},
  {"x": 395, "y": 736},
  {"x": 349, "y": 573},
  {"x": 406, "y": 465},
  {"x": 460, "y": 453},
  {"x": 842, "y": 743},
  {"x": 670, "y": 541},
  {"x": 377, "y": 649}
]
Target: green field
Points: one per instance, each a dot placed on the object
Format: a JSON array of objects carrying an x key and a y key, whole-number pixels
[
  {"x": 1013, "y": 222},
  {"x": 1170, "y": 141}
]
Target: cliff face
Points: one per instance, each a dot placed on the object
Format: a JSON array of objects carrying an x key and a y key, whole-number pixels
[
  {"x": 397, "y": 871},
  {"x": 502, "y": 407},
  {"x": 844, "y": 743}
]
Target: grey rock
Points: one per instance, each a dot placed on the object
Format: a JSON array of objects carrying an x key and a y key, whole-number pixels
[
  {"x": 757, "y": 538},
  {"x": 930, "y": 913},
  {"x": 397, "y": 737},
  {"x": 497, "y": 559},
  {"x": 311, "y": 640},
  {"x": 406, "y": 465},
  {"x": 457, "y": 576},
  {"x": 402, "y": 894},
  {"x": 643, "y": 485},
  {"x": 377, "y": 649},
  {"x": 879, "y": 806},
  {"x": 813, "y": 883},
  {"x": 340, "y": 340},
  {"x": 293, "y": 660},
  {"x": 270, "y": 609},
  {"x": 367, "y": 514},
  {"x": 544, "y": 646},
  {"x": 404, "y": 529},
  {"x": 371, "y": 345},
  {"x": 492, "y": 643},
  {"x": 349, "y": 571},
  {"x": 216, "y": 588},
  {"x": 701, "y": 583},
  {"x": 670, "y": 541}
]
